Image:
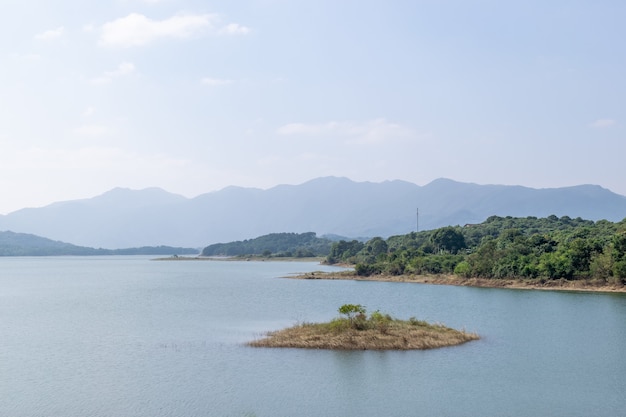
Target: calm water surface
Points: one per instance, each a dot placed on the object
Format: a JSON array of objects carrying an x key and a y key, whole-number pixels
[{"x": 127, "y": 336}]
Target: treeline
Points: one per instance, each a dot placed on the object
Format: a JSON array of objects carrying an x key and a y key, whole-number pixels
[
  {"x": 501, "y": 247},
  {"x": 299, "y": 245}
]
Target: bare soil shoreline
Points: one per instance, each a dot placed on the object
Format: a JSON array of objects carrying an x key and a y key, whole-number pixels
[
  {"x": 530, "y": 284},
  {"x": 582, "y": 285},
  {"x": 250, "y": 258}
]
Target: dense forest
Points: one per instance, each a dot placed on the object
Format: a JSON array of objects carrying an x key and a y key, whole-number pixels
[
  {"x": 299, "y": 245},
  {"x": 501, "y": 247}
]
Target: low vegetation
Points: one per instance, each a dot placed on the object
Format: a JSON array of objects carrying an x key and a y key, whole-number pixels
[{"x": 355, "y": 330}]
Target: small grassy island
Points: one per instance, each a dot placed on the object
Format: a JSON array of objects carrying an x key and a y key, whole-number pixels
[{"x": 355, "y": 330}]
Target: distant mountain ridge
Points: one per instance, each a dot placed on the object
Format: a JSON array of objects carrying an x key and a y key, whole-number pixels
[
  {"x": 330, "y": 205},
  {"x": 24, "y": 244}
]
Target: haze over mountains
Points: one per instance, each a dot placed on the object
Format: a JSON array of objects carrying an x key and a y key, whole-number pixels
[{"x": 124, "y": 218}]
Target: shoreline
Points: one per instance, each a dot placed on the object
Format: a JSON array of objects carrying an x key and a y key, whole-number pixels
[
  {"x": 581, "y": 285},
  {"x": 517, "y": 284},
  {"x": 250, "y": 258}
]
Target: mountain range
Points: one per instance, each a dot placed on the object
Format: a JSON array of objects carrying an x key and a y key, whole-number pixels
[
  {"x": 132, "y": 218},
  {"x": 24, "y": 244}
]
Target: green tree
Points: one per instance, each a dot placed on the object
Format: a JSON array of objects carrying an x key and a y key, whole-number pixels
[
  {"x": 619, "y": 271},
  {"x": 344, "y": 251},
  {"x": 556, "y": 265},
  {"x": 376, "y": 246},
  {"x": 619, "y": 256},
  {"x": 580, "y": 251},
  {"x": 619, "y": 245},
  {"x": 463, "y": 269},
  {"x": 482, "y": 260},
  {"x": 449, "y": 239},
  {"x": 354, "y": 313},
  {"x": 350, "y": 310}
]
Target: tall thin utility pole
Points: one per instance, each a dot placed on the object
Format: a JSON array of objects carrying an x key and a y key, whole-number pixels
[{"x": 418, "y": 220}]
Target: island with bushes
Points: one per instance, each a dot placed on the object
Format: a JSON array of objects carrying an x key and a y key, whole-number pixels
[{"x": 356, "y": 330}]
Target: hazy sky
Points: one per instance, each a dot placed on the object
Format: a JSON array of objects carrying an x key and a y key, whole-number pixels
[{"x": 192, "y": 96}]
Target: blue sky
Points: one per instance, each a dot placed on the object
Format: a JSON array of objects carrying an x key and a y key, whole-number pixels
[{"x": 192, "y": 96}]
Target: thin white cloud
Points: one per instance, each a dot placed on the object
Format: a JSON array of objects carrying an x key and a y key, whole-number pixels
[
  {"x": 215, "y": 82},
  {"x": 91, "y": 158},
  {"x": 234, "y": 29},
  {"x": 139, "y": 30},
  {"x": 50, "y": 35},
  {"x": 91, "y": 130},
  {"x": 124, "y": 69},
  {"x": 28, "y": 57},
  {"x": 89, "y": 111},
  {"x": 372, "y": 131},
  {"x": 603, "y": 123},
  {"x": 145, "y": 1},
  {"x": 305, "y": 129}
]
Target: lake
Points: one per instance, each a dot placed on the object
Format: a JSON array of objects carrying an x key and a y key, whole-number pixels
[{"x": 129, "y": 336}]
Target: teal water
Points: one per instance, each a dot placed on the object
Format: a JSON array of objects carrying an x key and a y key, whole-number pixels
[{"x": 127, "y": 336}]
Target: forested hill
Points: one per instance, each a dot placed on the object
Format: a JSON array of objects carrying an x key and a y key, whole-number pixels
[
  {"x": 501, "y": 247},
  {"x": 274, "y": 244},
  {"x": 23, "y": 244}
]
